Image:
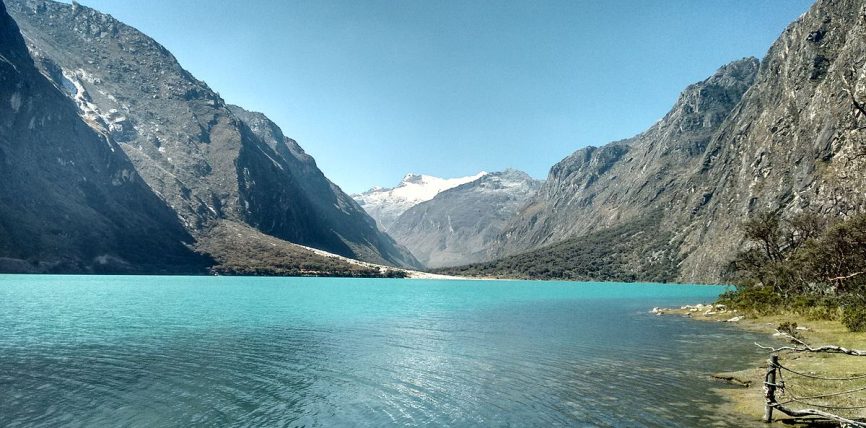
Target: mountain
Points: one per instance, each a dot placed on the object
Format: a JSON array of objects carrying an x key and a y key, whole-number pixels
[
  {"x": 70, "y": 199},
  {"x": 208, "y": 161},
  {"x": 385, "y": 205},
  {"x": 330, "y": 207},
  {"x": 785, "y": 134},
  {"x": 635, "y": 251},
  {"x": 597, "y": 188},
  {"x": 459, "y": 225}
]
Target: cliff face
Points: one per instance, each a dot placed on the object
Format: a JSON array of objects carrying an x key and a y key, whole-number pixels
[
  {"x": 795, "y": 142},
  {"x": 327, "y": 207},
  {"x": 780, "y": 135},
  {"x": 602, "y": 187},
  {"x": 70, "y": 199},
  {"x": 206, "y": 160},
  {"x": 460, "y": 225}
]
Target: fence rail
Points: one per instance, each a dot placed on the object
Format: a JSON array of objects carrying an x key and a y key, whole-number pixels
[{"x": 774, "y": 384}]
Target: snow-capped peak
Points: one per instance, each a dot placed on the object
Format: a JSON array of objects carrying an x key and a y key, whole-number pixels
[
  {"x": 419, "y": 188},
  {"x": 385, "y": 205},
  {"x": 412, "y": 178}
]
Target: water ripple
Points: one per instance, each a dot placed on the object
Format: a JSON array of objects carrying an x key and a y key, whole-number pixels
[{"x": 318, "y": 353}]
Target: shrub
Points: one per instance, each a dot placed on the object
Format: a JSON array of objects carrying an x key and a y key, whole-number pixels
[
  {"x": 811, "y": 265},
  {"x": 854, "y": 317},
  {"x": 816, "y": 307},
  {"x": 752, "y": 298}
]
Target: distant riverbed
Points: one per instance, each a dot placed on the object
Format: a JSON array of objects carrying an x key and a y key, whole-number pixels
[{"x": 180, "y": 351}]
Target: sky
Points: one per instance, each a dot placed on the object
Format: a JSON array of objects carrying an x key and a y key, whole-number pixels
[{"x": 375, "y": 89}]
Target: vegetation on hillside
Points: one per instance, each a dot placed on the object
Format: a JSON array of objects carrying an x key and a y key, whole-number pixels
[
  {"x": 635, "y": 251},
  {"x": 241, "y": 250},
  {"x": 807, "y": 264}
]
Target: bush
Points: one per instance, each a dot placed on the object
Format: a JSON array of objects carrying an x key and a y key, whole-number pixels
[
  {"x": 854, "y": 317},
  {"x": 816, "y": 307},
  {"x": 752, "y": 298},
  {"x": 811, "y": 265}
]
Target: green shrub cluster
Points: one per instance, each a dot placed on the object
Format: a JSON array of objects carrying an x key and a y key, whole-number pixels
[
  {"x": 806, "y": 264},
  {"x": 759, "y": 299},
  {"x": 854, "y": 317}
]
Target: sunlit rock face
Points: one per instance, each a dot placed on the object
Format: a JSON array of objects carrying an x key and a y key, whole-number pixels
[
  {"x": 208, "y": 161},
  {"x": 779, "y": 134},
  {"x": 70, "y": 199}
]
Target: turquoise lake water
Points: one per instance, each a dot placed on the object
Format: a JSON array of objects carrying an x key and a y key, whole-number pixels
[{"x": 229, "y": 351}]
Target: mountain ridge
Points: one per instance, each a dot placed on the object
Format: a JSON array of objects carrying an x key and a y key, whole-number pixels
[
  {"x": 460, "y": 225},
  {"x": 71, "y": 200},
  {"x": 206, "y": 163},
  {"x": 782, "y": 135},
  {"x": 176, "y": 166},
  {"x": 385, "y": 205}
]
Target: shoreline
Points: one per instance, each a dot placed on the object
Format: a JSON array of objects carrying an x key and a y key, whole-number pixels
[{"x": 744, "y": 395}]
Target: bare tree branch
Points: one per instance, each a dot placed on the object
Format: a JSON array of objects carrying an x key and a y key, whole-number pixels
[
  {"x": 812, "y": 412},
  {"x": 842, "y": 278},
  {"x": 804, "y": 347}
]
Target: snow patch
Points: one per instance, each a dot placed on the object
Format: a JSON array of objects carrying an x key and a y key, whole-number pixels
[
  {"x": 3, "y": 58},
  {"x": 415, "y": 188},
  {"x": 113, "y": 124},
  {"x": 70, "y": 88},
  {"x": 15, "y": 102},
  {"x": 277, "y": 164}
]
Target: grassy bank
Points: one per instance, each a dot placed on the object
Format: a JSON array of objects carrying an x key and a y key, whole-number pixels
[{"x": 748, "y": 399}]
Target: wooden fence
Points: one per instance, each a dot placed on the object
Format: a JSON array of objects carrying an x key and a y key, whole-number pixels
[{"x": 783, "y": 396}]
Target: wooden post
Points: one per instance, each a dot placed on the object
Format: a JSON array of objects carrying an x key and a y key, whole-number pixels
[{"x": 770, "y": 388}]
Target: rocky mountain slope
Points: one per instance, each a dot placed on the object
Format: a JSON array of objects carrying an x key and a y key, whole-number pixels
[
  {"x": 786, "y": 134},
  {"x": 210, "y": 162},
  {"x": 459, "y": 225},
  {"x": 386, "y": 204},
  {"x": 635, "y": 251},
  {"x": 70, "y": 199}
]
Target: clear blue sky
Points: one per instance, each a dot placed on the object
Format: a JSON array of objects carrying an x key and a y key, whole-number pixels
[{"x": 375, "y": 89}]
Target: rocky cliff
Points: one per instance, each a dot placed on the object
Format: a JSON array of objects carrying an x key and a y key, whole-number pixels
[
  {"x": 783, "y": 134},
  {"x": 210, "y": 162},
  {"x": 70, "y": 199},
  {"x": 460, "y": 225},
  {"x": 795, "y": 142}
]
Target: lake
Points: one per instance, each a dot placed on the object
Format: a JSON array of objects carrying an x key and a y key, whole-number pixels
[{"x": 241, "y": 351}]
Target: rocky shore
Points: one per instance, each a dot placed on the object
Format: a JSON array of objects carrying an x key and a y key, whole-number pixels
[
  {"x": 712, "y": 312},
  {"x": 747, "y": 397}
]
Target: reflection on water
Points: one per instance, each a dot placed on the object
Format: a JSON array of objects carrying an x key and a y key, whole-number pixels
[{"x": 144, "y": 351}]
